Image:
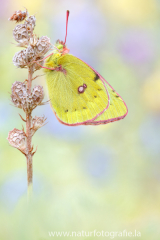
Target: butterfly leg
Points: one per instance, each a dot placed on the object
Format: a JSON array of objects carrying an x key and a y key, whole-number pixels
[
  {"x": 44, "y": 58},
  {"x": 40, "y": 60},
  {"x": 44, "y": 67}
]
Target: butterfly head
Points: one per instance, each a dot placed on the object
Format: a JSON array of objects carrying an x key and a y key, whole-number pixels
[{"x": 60, "y": 47}]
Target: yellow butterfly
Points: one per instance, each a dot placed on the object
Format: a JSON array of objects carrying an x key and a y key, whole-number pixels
[{"x": 78, "y": 94}]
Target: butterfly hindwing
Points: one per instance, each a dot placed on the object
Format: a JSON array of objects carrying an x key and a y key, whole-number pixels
[
  {"x": 77, "y": 94},
  {"x": 117, "y": 109}
]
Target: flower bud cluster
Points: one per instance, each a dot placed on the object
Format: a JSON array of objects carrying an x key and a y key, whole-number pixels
[
  {"x": 25, "y": 101},
  {"x": 17, "y": 139},
  {"x": 32, "y": 53},
  {"x": 31, "y": 56},
  {"x": 35, "y": 48}
]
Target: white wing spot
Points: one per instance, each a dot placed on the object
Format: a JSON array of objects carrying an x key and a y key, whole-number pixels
[{"x": 81, "y": 89}]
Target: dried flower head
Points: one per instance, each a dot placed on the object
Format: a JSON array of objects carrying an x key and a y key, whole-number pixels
[
  {"x": 17, "y": 139},
  {"x": 37, "y": 94},
  {"x": 30, "y": 54},
  {"x": 30, "y": 23},
  {"x": 23, "y": 100},
  {"x": 38, "y": 122},
  {"x": 19, "y": 59},
  {"x": 19, "y": 16},
  {"x": 20, "y": 97},
  {"x": 20, "y": 34},
  {"x": 43, "y": 46},
  {"x": 19, "y": 90}
]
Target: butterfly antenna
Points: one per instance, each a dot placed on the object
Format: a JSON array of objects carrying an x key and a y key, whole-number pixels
[{"x": 67, "y": 16}]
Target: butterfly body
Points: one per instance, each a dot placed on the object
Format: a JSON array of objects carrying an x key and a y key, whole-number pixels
[{"x": 78, "y": 94}]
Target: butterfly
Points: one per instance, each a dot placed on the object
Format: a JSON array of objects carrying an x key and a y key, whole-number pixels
[{"x": 78, "y": 94}]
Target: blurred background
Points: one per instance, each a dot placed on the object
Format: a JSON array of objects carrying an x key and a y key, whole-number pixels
[{"x": 87, "y": 177}]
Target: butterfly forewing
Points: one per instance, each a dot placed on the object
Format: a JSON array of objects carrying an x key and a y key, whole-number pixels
[{"x": 77, "y": 94}]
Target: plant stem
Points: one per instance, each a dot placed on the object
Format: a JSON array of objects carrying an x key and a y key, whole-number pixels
[{"x": 28, "y": 132}]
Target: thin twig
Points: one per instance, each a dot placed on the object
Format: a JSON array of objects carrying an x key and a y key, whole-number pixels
[
  {"x": 22, "y": 118},
  {"x": 37, "y": 76},
  {"x": 34, "y": 151}
]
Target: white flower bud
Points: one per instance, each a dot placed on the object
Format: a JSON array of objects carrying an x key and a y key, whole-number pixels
[
  {"x": 19, "y": 59},
  {"x": 19, "y": 90},
  {"x": 37, "y": 95},
  {"x": 30, "y": 23},
  {"x": 30, "y": 54},
  {"x": 20, "y": 34},
  {"x": 43, "y": 46},
  {"x": 38, "y": 122},
  {"x": 17, "y": 139}
]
